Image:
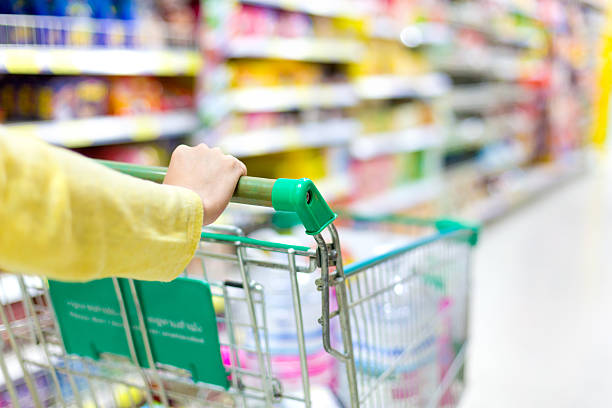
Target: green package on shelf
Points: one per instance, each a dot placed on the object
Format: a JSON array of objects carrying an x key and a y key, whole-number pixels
[{"x": 178, "y": 316}]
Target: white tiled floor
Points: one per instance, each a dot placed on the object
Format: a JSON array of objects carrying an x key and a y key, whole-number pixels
[{"x": 542, "y": 303}]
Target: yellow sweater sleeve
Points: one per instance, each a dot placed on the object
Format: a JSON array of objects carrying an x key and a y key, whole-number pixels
[{"x": 66, "y": 217}]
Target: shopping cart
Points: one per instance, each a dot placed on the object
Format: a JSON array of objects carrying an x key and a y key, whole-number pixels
[{"x": 255, "y": 322}]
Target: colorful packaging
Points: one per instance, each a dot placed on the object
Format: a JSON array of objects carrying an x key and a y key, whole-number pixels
[
  {"x": 373, "y": 176},
  {"x": 132, "y": 95},
  {"x": 62, "y": 98}
]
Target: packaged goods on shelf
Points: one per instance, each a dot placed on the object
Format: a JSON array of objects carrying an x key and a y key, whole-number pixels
[
  {"x": 270, "y": 132},
  {"x": 149, "y": 154},
  {"x": 257, "y": 21},
  {"x": 123, "y": 23},
  {"x": 384, "y": 57},
  {"x": 274, "y": 73},
  {"x": 377, "y": 118},
  {"x": 391, "y": 86},
  {"x": 251, "y": 20},
  {"x": 25, "y": 98},
  {"x": 28, "y": 98}
]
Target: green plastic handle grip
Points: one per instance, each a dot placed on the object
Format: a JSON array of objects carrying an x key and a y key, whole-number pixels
[{"x": 300, "y": 196}]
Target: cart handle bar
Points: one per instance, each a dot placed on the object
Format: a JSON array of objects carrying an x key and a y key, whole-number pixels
[{"x": 299, "y": 196}]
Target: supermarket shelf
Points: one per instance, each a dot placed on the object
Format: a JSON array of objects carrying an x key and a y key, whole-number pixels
[
  {"x": 476, "y": 132},
  {"x": 329, "y": 133},
  {"x": 412, "y": 35},
  {"x": 489, "y": 63},
  {"x": 432, "y": 34},
  {"x": 297, "y": 49},
  {"x": 384, "y": 28},
  {"x": 283, "y": 98},
  {"x": 75, "y": 61},
  {"x": 514, "y": 158},
  {"x": 325, "y": 8},
  {"x": 334, "y": 188},
  {"x": 526, "y": 13},
  {"x": 400, "y": 86},
  {"x": 487, "y": 96},
  {"x": 109, "y": 129},
  {"x": 399, "y": 198},
  {"x": 480, "y": 23},
  {"x": 525, "y": 188},
  {"x": 429, "y": 34},
  {"x": 599, "y": 5},
  {"x": 408, "y": 140}
]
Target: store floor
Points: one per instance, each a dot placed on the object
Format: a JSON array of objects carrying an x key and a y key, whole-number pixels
[{"x": 542, "y": 303}]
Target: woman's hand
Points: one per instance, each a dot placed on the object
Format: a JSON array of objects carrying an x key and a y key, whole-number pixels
[{"x": 210, "y": 173}]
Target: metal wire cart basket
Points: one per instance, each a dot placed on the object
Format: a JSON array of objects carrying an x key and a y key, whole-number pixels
[{"x": 255, "y": 322}]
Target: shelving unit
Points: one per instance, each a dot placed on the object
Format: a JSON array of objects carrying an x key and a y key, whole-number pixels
[
  {"x": 64, "y": 48},
  {"x": 380, "y": 87},
  {"x": 404, "y": 141},
  {"x": 338, "y": 8},
  {"x": 471, "y": 78},
  {"x": 328, "y": 50},
  {"x": 400, "y": 198},
  {"x": 273, "y": 140},
  {"x": 110, "y": 129},
  {"x": 526, "y": 186},
  {"x": 76, "y": 61},
  {"x": 284, "y": 98}
]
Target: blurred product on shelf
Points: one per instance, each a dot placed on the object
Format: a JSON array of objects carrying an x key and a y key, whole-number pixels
[
  {"x": 255, "y": 121},
  {"x": 99, "y": 23},
  {"x": 26, "y": 98},
  {"x": 253, "y": 73},
  {"x": 387, "y": 117},
  {"x": 131, "y": 95},
  {"x": 143, "y": 153},
  {"x": 260, "y": 21},
  {"x": 256, "y": 21},
  {"x": 390, "y": 57}
]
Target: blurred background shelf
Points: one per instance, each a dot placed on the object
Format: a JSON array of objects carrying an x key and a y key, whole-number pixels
[
  {"x": 486, "y": 96},
  {"x": 399, "y": 198},
  {"x": 409, "y": 140},
  {"x": 373, "y": 98},
  {"x": 327, "y": 50},
  {"x": 399, "y": 86},
  {"x": 282, "y": 98},
  {"x": 338, "y": 8},
  {"x": 119, "y": 61},
  {"x": 484, "y": 63},
  {"x": 599, "y": 5},
  {"x": 109, "y": 129},
  {"x": 273, "y": 140},
  {"x": 335, "y": 188},
  {"x": 521, "y": 189}
]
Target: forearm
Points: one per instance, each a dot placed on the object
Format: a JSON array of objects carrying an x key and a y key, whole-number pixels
[{"x": 69, "y": 218}]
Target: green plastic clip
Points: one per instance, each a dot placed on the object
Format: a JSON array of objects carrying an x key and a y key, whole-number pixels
[
  {"x": 302, "y": 197},
  {"x": 446, "y": 224}
]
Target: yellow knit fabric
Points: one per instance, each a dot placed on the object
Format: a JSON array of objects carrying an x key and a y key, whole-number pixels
[{"x": 66, "y": 217}]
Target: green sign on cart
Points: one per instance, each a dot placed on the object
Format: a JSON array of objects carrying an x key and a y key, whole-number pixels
[{"x": 179, "y": 319}]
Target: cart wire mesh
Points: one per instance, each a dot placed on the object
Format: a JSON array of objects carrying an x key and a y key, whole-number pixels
[{"x": 407, "y": 311}]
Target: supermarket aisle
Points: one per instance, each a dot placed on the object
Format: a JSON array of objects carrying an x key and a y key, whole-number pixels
[{"x": 542, "y": 303}]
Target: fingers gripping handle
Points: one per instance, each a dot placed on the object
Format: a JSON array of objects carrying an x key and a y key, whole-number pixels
[{"x": 293, "y": 195}]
